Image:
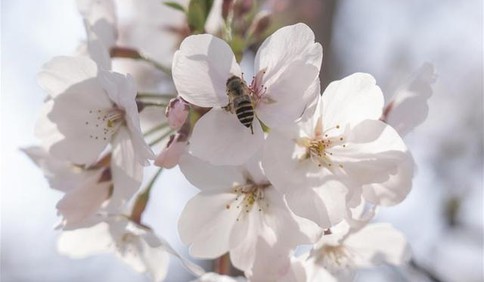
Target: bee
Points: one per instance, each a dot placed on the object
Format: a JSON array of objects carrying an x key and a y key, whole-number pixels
[{"x": 240, "y": 101}]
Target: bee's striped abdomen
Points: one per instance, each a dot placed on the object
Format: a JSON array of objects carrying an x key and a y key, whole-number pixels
[{"x": 244, "y": 112}]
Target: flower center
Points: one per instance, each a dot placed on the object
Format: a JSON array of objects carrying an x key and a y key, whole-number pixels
[
  {"x": 248, "y": 196},
  {"x": 103, "y": 123},
  {"x": 320, "y": 147},
  {"x": 335, "y": 258}
]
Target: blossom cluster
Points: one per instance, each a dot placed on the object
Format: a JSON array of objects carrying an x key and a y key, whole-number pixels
[{"x": 278, "y": 162}]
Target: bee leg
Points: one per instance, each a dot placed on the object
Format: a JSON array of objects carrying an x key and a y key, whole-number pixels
[
  {"x": 251, "y": 129},
  {"x": 228, "y": 108}
]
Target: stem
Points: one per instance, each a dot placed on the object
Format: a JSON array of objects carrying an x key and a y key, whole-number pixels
[
  {"x": 155, "y": 129},
  {"x": 142, "y": 200},
  {"x": 157, "y": 65},
  {"x": 222, "y": 265},
  {"x": 158, "y": 140}
]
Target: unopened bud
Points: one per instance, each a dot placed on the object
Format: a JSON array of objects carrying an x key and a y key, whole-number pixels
[
  {"x": 170, "y": 155},
  {"x": 177, "y": 112},
  {"x": 226, "y": 6},
  {"x": 260, "y": 24},
  {"x": 242, "y": 7}
]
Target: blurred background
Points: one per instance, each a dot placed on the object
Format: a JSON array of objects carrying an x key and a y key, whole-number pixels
[{"x": 443, "y": 215}]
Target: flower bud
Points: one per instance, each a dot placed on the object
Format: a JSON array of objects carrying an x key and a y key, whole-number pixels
[
  {"x": 177, "y": 112},
  {"x": 260, "y": 24}
]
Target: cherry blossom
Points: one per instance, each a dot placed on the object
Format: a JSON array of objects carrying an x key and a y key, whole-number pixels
[
  {"x": 88, "y": 109},
  {"x": 236, "y": 208},
  {"x": 134, "y": 244},
  {"x": 90, "y": 191},
  {"x": 286, "y": 82},
  {"x": 344, "y": 142},
  {"x": 344, "y": 250}
]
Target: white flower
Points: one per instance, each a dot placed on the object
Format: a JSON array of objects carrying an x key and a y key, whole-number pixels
[
  {"x": 136, "y": 245},
  {"x": 408, "y": 107},
  {"x": 286, "y": 83},
  {"x": 90, "y": 191},
  {"x": 344, "y": 250},
  {"x": 235, "y": 209},
  {"x": 88, "y": 109},
  {"x": 343, "y": 143}
]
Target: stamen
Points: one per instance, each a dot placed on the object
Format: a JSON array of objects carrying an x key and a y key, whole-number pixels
[{"x": 103, "y": 123}]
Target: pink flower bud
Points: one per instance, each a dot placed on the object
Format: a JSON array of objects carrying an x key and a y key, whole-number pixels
[
  {"x": 170, "y": 155},
  {"x": 177, "y": 112}
]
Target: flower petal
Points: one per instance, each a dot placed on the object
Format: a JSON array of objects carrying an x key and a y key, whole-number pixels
[
  {"x": 378, "y": 243},
  {"x": 79, "y": 206},
  {"x": 408, "y": 107},
  {"x": 395, "y": 189},
  {"x": 208, "y": 177},
  {"x": 351, "y": 100},
  {"x": 127, "y": 173},
  {"x": 84, "y": 242},
  {"x": 373, "y": 151},
  {"x": 205, "y": 224},
  {"x": 219, "y": 138},
  {"x": 61, "y": 73},
  {"x": 287, "y": 45},
  {"x": 284, "y": 166},
  {"x": 287, "y": 94},
  {"x": 76, "y": 113},
  {"x": 201, "y": 69},
  {"x": 326, "y": 205}
]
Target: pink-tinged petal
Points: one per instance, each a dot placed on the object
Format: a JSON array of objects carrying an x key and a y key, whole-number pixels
[
  {"x": 284, "y": 100},
  {"x": 408, "y": 107},
  {"x": 127, "y": 173},
  {"x": 205, "y": 224},
  {"x": 372, "y": 152},
  {"x": 170, "y": 155},
  {"x": 376, "y": 244},
  {"x": 351, "y": 100},
  {"x": 84, "y": 242},
  {"x": 325, "y": 206},
  {"x": 287, "y": 45},
  {"x": 395, "y": 189},
  {"x": 208, "y": 177},
  {"x": 201, "y": 69},
  {"x": 79, "y": 206},
  {"x": 61, "y": 73},
  {"x": 220, "y": 138},
  {"x": 78, "y": 117}
]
